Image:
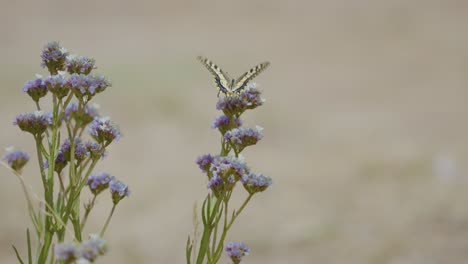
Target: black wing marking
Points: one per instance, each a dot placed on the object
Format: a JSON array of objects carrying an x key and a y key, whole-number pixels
[
  {"x": 222, "y": 80},
  {"x": 242, "y": 81}
]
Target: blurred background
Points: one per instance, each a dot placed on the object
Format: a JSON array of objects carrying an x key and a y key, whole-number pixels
[{"x": 365, "y": 122}]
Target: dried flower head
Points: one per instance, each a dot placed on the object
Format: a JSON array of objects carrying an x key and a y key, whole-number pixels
[
  {"x": 53, "y": 57},
  {"x": 204, "y": 162},
  {"x": 243, "y": 137},
  {"x": 249, "y": 98},
  {"x": 119, "y": 190},
  {"x": 35, "y": 123},
  {"x": 256, "y": 182},
  {"x": 35, "y": 88},
  {"x": 237, "y": 250},
  {"x": 79, "y": 64},
  {"x": 103, "y": 131},
  {"x": 93, "y": 248},
  {"x": 95, "y": 150},
  {"x": 57, "y": 84},
  {"x": 16, "y": 159},
  {"x": 229, "y": 168},
  {"x": 67, "y": 252},
  {"x": 83, "y": 115},
  {"x": 81, "y": 152},
  {"x": 86, "y": 86},
  {"x": 225, "y": 123},
  {"x": 98, "y": 182}
]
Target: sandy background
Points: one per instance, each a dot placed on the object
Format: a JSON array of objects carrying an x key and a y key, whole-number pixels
[{"x": 365, "y": 122}]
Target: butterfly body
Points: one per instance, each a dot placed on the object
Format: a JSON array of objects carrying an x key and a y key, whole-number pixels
[{"x": 228, "y": 86}]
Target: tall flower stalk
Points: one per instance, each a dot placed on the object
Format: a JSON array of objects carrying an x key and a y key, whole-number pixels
[
  {"x": 66, "y": 159},
  {"x": 224, "y": 172}
]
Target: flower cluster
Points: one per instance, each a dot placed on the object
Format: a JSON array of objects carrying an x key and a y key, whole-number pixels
[
  {"x": 54, "y": 57},
  {"x": 80, "y": 64},
  {"x": 243, "y": 137},
  {"x": 98, "y": 182},
  {"x": 57, "y": 84},
  {"x": 88, "y": 250},
  {"x": 83, "y": 115},
  {"x": 65, "y": 153},
  {"x": 103, "y": 131},
  {"x": 225, "y": 170},
  {"x": 256, "y": 182},
  {"x": 237, "y": 250},
  {"x": 119, "y": 190},
  {"x": 35, "y": 88},
  {"x": 85, "y": 87},
  {"x": 16, "y": 159},
  {"x": 35, "y": 123}
]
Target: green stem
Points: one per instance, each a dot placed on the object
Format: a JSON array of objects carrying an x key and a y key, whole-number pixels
[
  {"x": 88, "y": 210},
  {"x": 107, "y": 221}
]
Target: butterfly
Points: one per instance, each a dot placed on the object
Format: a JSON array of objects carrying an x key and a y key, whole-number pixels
[{"x": 225, "y": 84}]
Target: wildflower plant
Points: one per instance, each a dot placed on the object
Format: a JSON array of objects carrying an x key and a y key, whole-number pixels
[
  {"x": 66, "y": 159},
  {"x": 224, "y": 173}
]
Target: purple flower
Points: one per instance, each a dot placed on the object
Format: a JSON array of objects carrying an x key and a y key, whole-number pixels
[
  {"x": 79, "y": 64},
  {"x": 244, "y": 137},
  {"x": 249, "y": 98},
  {"x": 103, "y": 131},
  {"x": 16, "y": 159},
  {"x": 67, "y": 252},
  {"x": 35, "y": 88},
  {"x": 86, "y": 86},
  {"x": 229, "y": 168},
  {"x": 225, "y": 123},
  {"x": 98, "y": 182},
  {"x": 81, "y": 152},
  {"x": 204, "y": 162},
  {"x": 119, "y": 190},
  {"x": 95, "y": 150},
  {"x": 216, "y": 184},
  {"x": 256, "y": 182},
  {"x": 83, "y": 115},
  {"x": 35, "y": 123},
  {"x": 53, "y": 57},
  {"x": 57, "y": 84},
  {"x": 60, "y": 162},
  {"x": 93, "y": 248},
  {"x": 236, "y": 250}
]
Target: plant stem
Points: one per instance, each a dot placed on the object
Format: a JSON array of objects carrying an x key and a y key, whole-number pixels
[
  {"x": 88, "y": 210},
  {"x": 107, "y": 221}
]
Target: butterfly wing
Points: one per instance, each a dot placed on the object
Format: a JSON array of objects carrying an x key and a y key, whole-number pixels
[
  {"x": 242, "y": 81},
  {"x": 222, "y": 80}
]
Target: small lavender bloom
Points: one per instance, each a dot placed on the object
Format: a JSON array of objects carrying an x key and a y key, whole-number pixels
[
  {"x": 216, "y": 184},
  {"x": 81, "y": 152},
  {"x": 53, "y": 57},
  {"x": 86, "y": 86},
  {"x": 229, "y": 168},
  {"x": 103, "y": 131},
  {"x": 236, "y": 250},
  {"x": 93, "y": 248},
  {"x": 118, "y": 190},
  {"x": 249, "y": 98},
  {"x": 67, "y": 252},
  {"x": 256, "y": 182},
  {"x": 57, "y": 84},
  {"x": 204, "y": 162},
  {"x": 84, "y": 115},
  {"x": 16, "y": 159},
  {"x": 98, "y": 182},
  {"x": 95, "y": 150},
  {"x": 35, "y": 123},
  {"x": 244, "y": 137},
  {"x": 60, "y": 162},
  {"x": 252, "y": 96},
  {"x": 79, "y": 64},
  {"x": 225, "y": 123},
  {"x": 35, "y": 88}
]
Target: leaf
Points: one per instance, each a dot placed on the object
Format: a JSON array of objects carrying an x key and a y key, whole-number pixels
[{"x": 17, "y": 255}]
